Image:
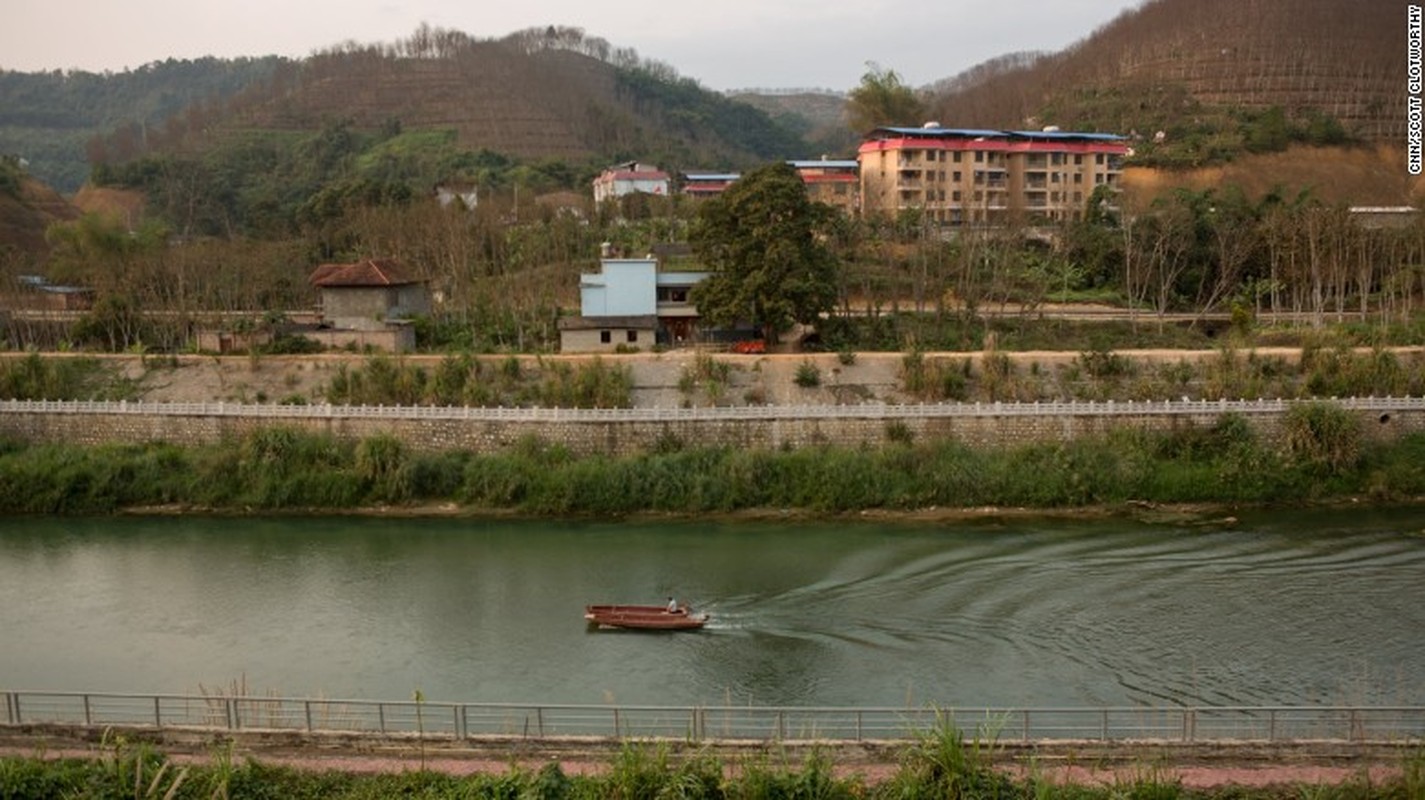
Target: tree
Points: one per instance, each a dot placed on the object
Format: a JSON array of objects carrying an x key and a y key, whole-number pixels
[
  {"x": 882, "y": 99},
  {"x": 761, "y": 239}
]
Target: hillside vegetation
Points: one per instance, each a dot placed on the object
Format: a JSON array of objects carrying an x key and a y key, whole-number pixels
[
  {"x": 1217, "y": 77},
  {"x": 27, "y": 208},
  {"x": 540, "y": 94},
  {"x": 50, "y": 118}
]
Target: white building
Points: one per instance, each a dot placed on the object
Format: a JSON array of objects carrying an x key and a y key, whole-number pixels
[{"x": 628, "y": 178}]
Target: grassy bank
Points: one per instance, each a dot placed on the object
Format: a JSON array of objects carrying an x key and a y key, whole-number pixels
[
  {"x": 1324, "y": 456},
  {"x": 939, "y": 764}
]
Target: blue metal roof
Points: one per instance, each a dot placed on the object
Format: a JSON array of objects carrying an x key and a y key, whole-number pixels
[
  {"x": 823, "y": 163},
  {"x": 1102, "y": 137},
  {"x": 993, "y": 134}
]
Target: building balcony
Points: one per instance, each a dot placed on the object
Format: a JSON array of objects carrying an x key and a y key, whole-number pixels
[{"x": 676, "y": 309}]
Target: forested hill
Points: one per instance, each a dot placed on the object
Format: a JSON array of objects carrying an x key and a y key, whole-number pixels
[
  {"x": 547, "y": 93},
  {"x": 1216, "y": 76},
  {"x": 49, "y": 118},
  {"x": 542, "y": 93}
]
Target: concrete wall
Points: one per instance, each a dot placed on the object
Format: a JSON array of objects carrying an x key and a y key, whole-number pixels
[
  {"x": 367, "y": 308},
  {"x": 387, "y": 339},
  {"x": 591, "y": 340},
  {"x": 629, "y": 431},
  {"x": 622, "y": 287}
]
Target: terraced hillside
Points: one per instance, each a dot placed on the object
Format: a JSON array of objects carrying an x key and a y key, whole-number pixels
[
  {"x": 1175, "y": 63},
  {"x": 553, "y": 94}
]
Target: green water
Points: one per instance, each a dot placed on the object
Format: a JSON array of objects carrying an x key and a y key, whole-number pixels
[{"x": 1280, "y": 608}]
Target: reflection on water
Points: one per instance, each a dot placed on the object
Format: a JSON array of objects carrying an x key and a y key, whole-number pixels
[{"x": 1319, "y": 607}]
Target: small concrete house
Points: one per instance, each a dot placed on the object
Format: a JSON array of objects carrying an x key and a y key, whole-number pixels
[
  {"x": 628, "y": 178},
  {"x": 370, "y": 303},
  {"x": 629, "y": 303}
]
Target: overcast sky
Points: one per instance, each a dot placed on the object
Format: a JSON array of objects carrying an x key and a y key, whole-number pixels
[{"x": 722, "y": 44}]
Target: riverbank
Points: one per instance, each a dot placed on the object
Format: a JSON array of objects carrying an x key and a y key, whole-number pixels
[
  {"x": 284, "y": 470},
  {"x": 1200, "y": 515},
  {"x": 1073, "y": 768}
]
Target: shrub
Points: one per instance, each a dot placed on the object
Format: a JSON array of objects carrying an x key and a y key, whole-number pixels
[
  {"x": 808, "y": 375},
  {"x": 1103, "y": 364},
  {"x": 899, "y": 432},
  {"x": 1322, "y": 435}
]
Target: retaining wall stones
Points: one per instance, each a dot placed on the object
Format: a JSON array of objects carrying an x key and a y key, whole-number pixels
[{"x": 629, "y": 431}]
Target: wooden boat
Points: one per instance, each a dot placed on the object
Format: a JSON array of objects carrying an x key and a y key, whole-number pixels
[{"x": 657, "y": 618}]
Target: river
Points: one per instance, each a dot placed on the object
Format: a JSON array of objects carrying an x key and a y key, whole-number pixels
[{"x": 1299, "y": 607}]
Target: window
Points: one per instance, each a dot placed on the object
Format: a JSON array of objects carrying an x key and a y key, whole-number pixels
[
  {"x": 955, "y": 196},
  {"x": 956, "y": 176},
  {"x": 606, "y": 336},
  {"x": 957, "y": 156},
  {"x": 1078, "y": 177},
  {"x": 633, "y": 336}
]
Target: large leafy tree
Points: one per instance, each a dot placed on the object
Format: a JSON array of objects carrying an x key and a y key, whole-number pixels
[
  {"x": 761, "y": 240},
  {"x": 882, "y": 99}
]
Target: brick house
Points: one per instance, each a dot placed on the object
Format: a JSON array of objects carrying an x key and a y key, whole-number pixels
[{"x": 369, "y": 302}]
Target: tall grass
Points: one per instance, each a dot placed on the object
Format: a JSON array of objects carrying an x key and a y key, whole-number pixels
[
  {"x": 1231, "y": 374},
  {"x": 462, "y": 380},
  {"x": 938, "y": 764},
  {"x": 277, "y": 468},
  {"x": 78, "y": 378}
]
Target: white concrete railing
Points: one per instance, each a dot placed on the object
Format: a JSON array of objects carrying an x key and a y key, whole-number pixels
[{"x": 700, "y": 414}]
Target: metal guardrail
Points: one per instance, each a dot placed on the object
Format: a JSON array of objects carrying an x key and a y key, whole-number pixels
[
  {"x": 859, "y": 411},
  {"x": 701, "y": 723}
]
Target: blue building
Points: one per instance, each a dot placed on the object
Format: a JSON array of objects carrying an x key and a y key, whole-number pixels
[{"x": 629, "y": 303}]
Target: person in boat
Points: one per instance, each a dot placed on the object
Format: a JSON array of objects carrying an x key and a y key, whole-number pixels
[{"x": 673, "y": 606}]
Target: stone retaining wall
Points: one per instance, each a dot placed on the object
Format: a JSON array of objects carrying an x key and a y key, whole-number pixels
[{"x": 633, "y": 434}]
